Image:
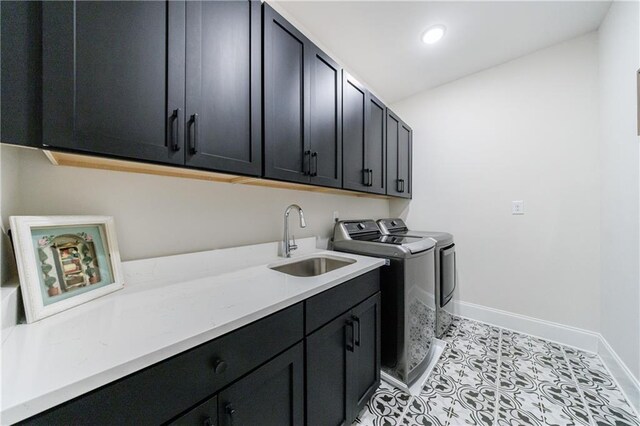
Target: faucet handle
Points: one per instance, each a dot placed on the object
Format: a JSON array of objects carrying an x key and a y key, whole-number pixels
[{"x": 293, "y": 245}]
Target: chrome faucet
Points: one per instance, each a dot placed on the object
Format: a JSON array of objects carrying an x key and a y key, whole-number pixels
[{"x": 288, "y": 246}]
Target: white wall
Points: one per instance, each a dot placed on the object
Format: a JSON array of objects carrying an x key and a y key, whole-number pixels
[
  {"x": 8, "y": 199},
  {"x": 158, "y": 215},
  {"x": 619, "y": 49},
  {"x": 524, "y": 130}
]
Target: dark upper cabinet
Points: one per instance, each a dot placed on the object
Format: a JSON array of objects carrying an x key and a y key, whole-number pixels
[
  {"x": 344, "y": 356},
  {"x": 113, "y": 78},
  {"x": 273, "y": 395},
  {"x": 363, "y": 130},
  {"x": 375, "y": 148},
  {"x": 354, "y": 106},
  {"x": 399, "y": 152},
  {"x": 302, "y": 107},
  {"x": 286, "y": 99},
  {"x": 223, "y": 86},
  {"x": 21, "y": 72},
  {"x": 325, "y": 133}
]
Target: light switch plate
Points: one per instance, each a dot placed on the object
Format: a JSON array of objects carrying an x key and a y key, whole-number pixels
[{"x": 517, "y": 207}]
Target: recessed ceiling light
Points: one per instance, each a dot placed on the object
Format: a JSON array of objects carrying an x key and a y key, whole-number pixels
[{"x": 433, "y": 34}]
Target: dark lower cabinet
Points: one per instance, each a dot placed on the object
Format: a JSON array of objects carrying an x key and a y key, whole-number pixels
[
  {"x": 159, "y": 393},
  {"x": 255, "y": 375},
  {"x": 113, "y": 78},
  {"x": 366, "y": 368},
  {"x": 399, "y": 153},
  {"x": 205, "y": 414},
  {"x": 363, "y": 140},
  {"x": 328, "y": 362},
  {"x": 273, "y": 395},
  {"x": 343, "y": 365}
]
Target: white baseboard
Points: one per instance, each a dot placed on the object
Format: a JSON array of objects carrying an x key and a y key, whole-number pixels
[
  {"x": 566, "y": 335},
  {"x": 621, "y": 373}
]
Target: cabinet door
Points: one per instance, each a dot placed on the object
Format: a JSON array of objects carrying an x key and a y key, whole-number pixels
[
  {"x": 375, "y": 151},
  {"x": 325, "y": 120},
  {"x": 405, "y": 149},
  {"x": 21, "y": 68},
  {"x": 354, "y": 107},
  {"x": 223, "y": 86},
  {"x": 286, "y": 100},
  {"x": 113, "y": 78},
  {"x": 366, "y": 368},
  {"x": 205, "y": 414},
  {"x": 399, "y": 147},
  {"x": 271, "y": 395},
  {"x": 393, "y": 179},
  {"x": 329, "y": 360}
]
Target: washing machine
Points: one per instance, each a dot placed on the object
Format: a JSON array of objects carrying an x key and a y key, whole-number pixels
[{"x": 445, "y": 268}]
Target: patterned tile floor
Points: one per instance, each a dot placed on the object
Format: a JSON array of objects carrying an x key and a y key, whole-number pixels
[{"x": 492, "y": 376}]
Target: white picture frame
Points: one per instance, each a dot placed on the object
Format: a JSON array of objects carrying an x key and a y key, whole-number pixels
[{"x": 64, "y": 261}]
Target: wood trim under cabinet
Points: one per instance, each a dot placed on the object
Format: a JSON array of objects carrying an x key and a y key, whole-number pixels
[{"x": 93, "y": 162}]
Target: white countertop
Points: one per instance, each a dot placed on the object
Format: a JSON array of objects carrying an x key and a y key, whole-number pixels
[{"x": 168, "y": 305}]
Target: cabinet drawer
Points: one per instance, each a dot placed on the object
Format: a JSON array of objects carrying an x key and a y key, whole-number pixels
[
  {"x": 329, "y": 304},
  {"x": 205, "y": 414},
  {"x": 157, "y": 393}
]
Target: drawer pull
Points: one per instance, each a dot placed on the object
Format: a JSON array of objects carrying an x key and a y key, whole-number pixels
[{"x": 219, "y": 366}]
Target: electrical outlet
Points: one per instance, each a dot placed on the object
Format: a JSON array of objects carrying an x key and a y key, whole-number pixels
[
  {"x": 336, "y": 216},
  {"x": 517, "y": 207}
]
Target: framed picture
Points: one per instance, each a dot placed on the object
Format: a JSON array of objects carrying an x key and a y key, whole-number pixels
[{"x": 64, "y": 261}]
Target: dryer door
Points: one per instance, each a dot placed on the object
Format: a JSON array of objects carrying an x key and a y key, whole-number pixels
[{"x": 447, "y": 274}]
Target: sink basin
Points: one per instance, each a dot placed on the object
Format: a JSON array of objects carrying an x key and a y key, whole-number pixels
[{"x": 313, "y": 266}]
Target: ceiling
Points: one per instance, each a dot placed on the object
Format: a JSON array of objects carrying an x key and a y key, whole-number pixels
[{"x": 379, "y": 41}]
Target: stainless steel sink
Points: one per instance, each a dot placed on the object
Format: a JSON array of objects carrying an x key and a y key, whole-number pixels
[{"x": 313, "y": 266}]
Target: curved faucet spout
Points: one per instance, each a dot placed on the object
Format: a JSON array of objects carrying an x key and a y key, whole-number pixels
[{"x": 288, "y": 246}]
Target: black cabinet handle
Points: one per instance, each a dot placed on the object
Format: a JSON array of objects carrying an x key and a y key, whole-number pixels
[
  {"x": 357, "y": 321},
  {"x": 219, "y": 366},
  {"x": 400, "y": 185},
  {"x": 350, "y": 342},
  {"x": 193, "y": 133},
  {"x": 365, "y": 177},
  {"x": 230, "y": 412},
  {"x": 370, "y": 177},
  {"x": 314, "y": 157},
  {"x": 175, "y": 126},
  {"x": 306, "y": 166}
]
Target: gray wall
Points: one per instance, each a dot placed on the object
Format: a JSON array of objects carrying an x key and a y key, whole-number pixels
[
  {"x": 524, "y": 130},
  {"x": 619, "y": 46},
  {"x": 158, "y": 215}
]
